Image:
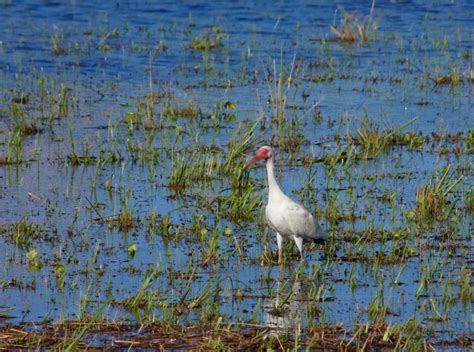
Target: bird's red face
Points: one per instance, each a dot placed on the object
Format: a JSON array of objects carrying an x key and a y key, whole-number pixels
[{"x": 262, "y": 154}]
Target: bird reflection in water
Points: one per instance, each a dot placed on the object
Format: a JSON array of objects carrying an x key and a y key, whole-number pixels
[{"x": 284, "y": 312}]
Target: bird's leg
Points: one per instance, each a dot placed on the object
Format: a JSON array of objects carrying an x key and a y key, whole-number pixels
[
  {"x": 280, "y": 248},
  {"x": 299, "y": 244}
]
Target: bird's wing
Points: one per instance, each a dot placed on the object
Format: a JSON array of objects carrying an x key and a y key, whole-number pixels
[{"x": 302, "y": 223}]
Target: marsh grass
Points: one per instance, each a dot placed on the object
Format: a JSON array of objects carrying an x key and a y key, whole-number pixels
[
  {"x": 465, "y": 285},
  {"x": 189, "y": 111},
  {"x": 279, "y": 86},
  {"x": 469, "y": 142},
  {"x": 73, "y": 157},
  {"x": 377, "y": 309},
  {"x": 125, "y": 218},
  {"x": 291, "y": 136},
  {"x": 14, "y": 152},
  {"x": 212, "y": 244},
  {"x": 453, "y": 78},
  {"x": 213, "y": 39},
  {"x": 373, "y": 140},
  {"x": 24, "y": 234},
  {"x": 355, "y": 29},
  {"x": 57, "y": 46},
  {"x": 469, "y": 201},
  {"x": 69, "y": 335},
  {"x": 142, "y": 297},
  {"x": 192, "y": 166},
  {"x": 19, "y": 121},
  {"x": 344, "y": 155},
  {"x": 200, "y": 164},
  {"x": 239, "y": 205},
  {"x": 285, "y": 118},
  {"x": 63, "y": 101},
  {"x": 432, "y": 199},
  {"x": 407, "y": 335}
]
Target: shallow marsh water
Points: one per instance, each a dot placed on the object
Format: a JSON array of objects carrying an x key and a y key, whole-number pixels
[{"x": 127, "y": 96}]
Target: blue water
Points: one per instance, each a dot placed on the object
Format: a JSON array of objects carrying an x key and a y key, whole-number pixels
[{"x": 113, "y": 53}]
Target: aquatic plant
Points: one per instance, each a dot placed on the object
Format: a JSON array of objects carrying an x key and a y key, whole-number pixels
[
  {"x": 19, "y": 121},
  {"x": 122, "y": 120},
  {"x": 373, "y": 140},
  {"x": 14, "y": 152},
  {"x": 57, "y": 46},
  {"x": 25, "y": 233},
  {"x": 211, "y": 40},
  {"x": 354, "y": 29},
  {"x": 432, "y": 198}
]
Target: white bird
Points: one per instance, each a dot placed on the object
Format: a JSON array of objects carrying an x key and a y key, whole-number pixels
[{"x": 288, "y": 218}]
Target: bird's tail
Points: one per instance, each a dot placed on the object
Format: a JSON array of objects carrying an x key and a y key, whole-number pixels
[{"x": 320, "y": 240}]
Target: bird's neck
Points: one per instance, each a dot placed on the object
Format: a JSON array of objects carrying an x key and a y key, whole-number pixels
[{"x": 273, "y": 188}]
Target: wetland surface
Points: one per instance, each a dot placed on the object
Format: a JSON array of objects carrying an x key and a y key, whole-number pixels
[{"x": 124, "y": 128}]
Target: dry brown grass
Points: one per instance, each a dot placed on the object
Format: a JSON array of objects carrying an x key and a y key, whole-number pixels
[{"x": 218, "y": 336}]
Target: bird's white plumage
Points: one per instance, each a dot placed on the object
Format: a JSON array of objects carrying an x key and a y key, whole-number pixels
[{"x": 288, "y": 218}]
